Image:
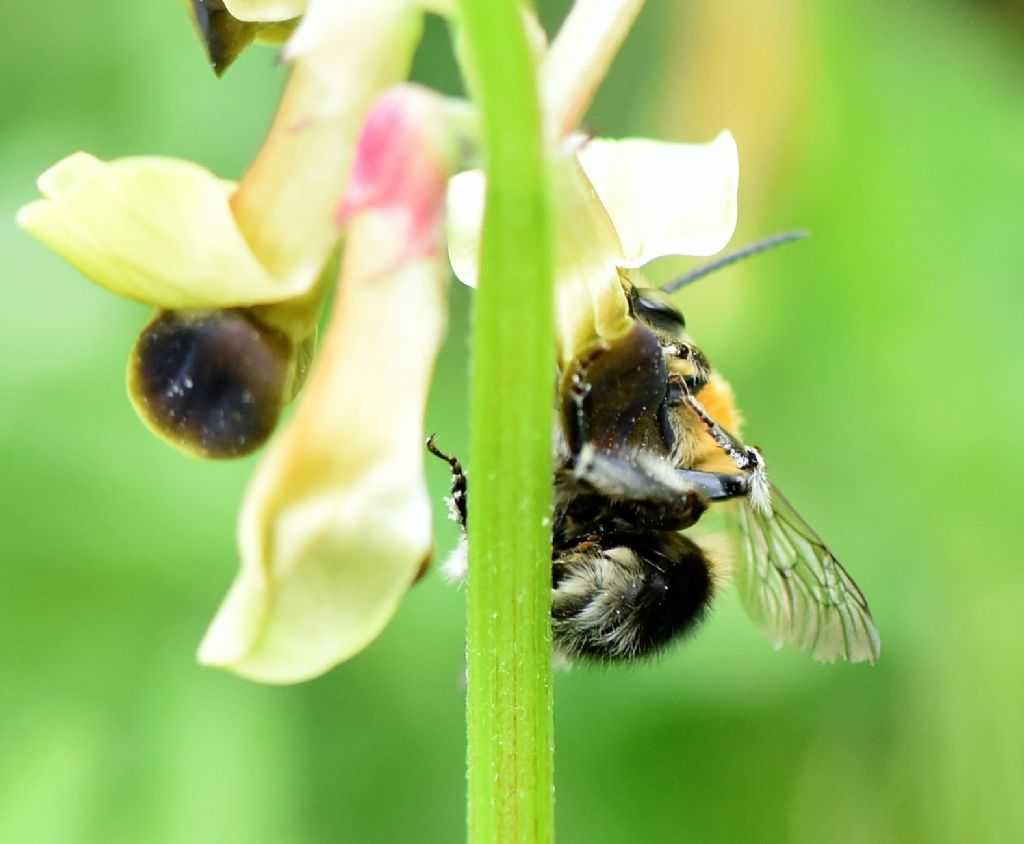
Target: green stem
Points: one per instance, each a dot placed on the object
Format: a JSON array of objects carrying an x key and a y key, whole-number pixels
[{"x": 509, "y": 708}]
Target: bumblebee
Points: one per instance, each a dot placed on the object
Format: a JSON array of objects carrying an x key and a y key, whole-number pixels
[{"x": 644, "y": 447}]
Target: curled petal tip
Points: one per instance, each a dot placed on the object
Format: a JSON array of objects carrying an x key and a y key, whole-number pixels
[
  {"x": 339, "y": 563},
  {"x": 63, "y": 175}
]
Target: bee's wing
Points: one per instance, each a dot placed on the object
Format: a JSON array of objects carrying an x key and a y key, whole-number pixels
[{"x": 796, "y": 591}]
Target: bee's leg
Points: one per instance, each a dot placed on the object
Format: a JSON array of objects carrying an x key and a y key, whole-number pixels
[
  {"x": 746, "y": 458},
  {"x": 457, "y": 501},
  {"x": 640, "y": 490},
  {"x": 742, "y": 455},
  {"x": 716, "y": 486},
  {"x": 641, "y": 476}
]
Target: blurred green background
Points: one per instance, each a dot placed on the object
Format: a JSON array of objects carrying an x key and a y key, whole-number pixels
[{"x": 879, "y": 365}]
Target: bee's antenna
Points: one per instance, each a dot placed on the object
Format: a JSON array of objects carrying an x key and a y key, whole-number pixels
[{"x": 733, "y": 257}]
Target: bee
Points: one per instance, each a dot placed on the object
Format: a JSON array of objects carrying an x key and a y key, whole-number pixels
[{"x": 644, "y": 446}]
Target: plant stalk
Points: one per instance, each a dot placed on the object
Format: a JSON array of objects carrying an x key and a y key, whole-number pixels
[{"x": 509, "y": 706}]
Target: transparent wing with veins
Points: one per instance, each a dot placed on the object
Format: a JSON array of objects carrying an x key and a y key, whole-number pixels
[
  {"x": 796, "y": 591},
  {"x": 790, "y": 584}
]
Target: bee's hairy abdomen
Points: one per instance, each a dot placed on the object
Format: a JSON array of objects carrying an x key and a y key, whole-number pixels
[{"x": 627, "y": 595}]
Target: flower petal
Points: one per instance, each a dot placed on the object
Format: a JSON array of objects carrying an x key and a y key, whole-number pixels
[
  {"x": 158, "y": 230},
  {"x": 666, "y": 199},
  {"x": 467, "y": 192},
  {"x": 336, "y": 524},
  {"x": 580, "y": 56},
  {"x": 265, "y": 10},
  {"x": 344, "y": 54},
  {"x": 589, "y": 298}
]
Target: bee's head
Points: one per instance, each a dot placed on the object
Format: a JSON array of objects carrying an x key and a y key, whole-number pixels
[{"x": 656, "y": 310}]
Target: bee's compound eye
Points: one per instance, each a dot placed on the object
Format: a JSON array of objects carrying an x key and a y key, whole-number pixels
[
  {"x": 211, "y": 382},
  {"x": 658, "y": 311}
]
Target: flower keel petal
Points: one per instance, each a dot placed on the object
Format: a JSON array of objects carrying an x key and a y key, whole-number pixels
[{"x": 336, "y": 524}]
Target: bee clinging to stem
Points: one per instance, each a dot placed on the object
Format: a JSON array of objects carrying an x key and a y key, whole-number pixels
[{"x": 645, "y": 444}]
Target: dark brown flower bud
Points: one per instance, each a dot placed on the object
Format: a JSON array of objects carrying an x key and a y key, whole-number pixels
[
  {"x": 212, "y": 383},
  {"x": 223, "y": 36}
]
